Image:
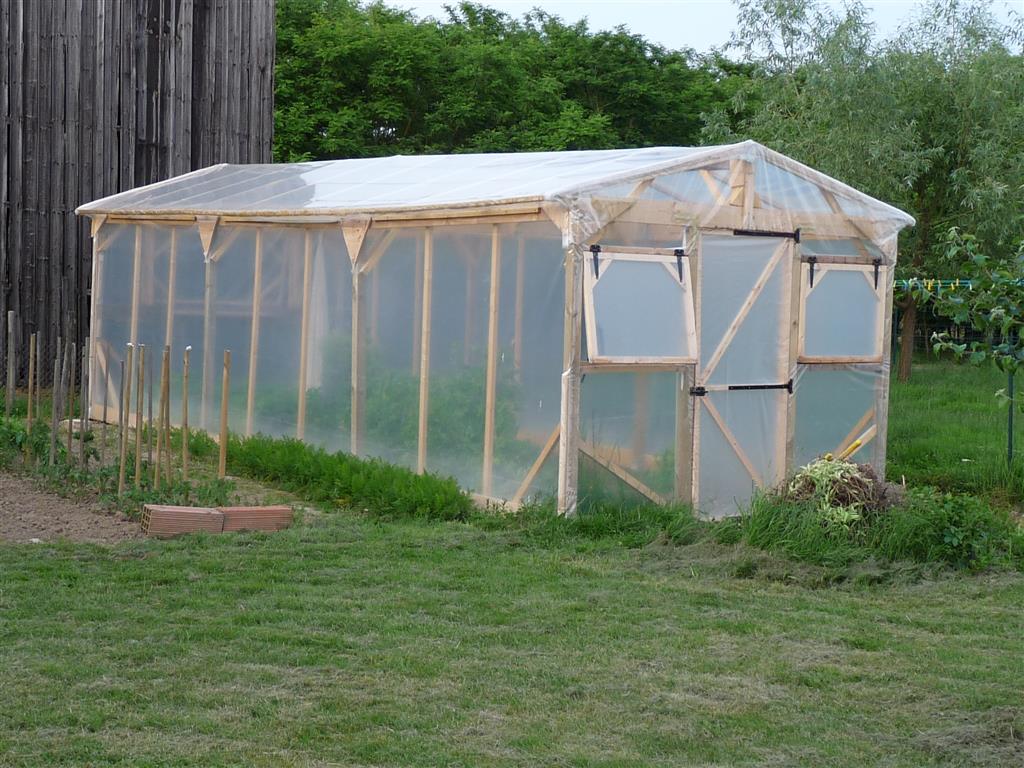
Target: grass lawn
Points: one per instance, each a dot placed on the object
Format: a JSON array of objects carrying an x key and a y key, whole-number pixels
[{"x": 355, "y": 641}]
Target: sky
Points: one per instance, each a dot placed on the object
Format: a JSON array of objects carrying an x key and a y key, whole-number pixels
[{"x": 698, "y": 24}]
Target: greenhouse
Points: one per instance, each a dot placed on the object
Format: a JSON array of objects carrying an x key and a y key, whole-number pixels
[{"x": 663, "y": 323}]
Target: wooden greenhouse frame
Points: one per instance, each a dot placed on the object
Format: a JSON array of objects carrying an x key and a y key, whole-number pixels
[{"x": 731, "y": 203}]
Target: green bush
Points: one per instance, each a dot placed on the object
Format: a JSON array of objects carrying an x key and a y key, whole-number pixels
[
  {"x": 953, "y": 528},
  {"x": 14, "y": 437},
  {"x": 927, "y": 526},
  {"x": 345, "y": 480}
]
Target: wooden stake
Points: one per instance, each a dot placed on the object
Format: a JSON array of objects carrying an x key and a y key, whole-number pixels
[
  {"x": 161, "y": 423},
  {"x": 9, "y": 392},
  {"x": 208, "y": 320},
  {"x": 222, "y": 463},
  {"x": 54, "y": 405},
  {"x": 140, "y": 393},
  {"x": 307, "y": 276},
  {"x": 83, "y": 419},
  {"x": 168, "y": 474},
  {"x": 126, "y": 393},
  {"x": 428, "y": 279},
  {"x": 172, "y": 279},
  {"x": 490, "y": 396},
  {"x": 184, "y": 415},
  {"x": 72, "y": 363},
  {"x": 254, "y": 331},
  {"x": 106, "y": 403}
]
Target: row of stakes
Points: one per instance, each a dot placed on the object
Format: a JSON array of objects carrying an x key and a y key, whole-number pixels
[{"x": 133, "y": 367}]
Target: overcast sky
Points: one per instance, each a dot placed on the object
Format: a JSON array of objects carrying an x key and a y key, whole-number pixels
[{"x": 697, "y": 24}]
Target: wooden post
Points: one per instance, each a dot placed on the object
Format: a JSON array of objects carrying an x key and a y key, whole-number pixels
[
  {"x": 424, "y": 407},
  {"x": 72, "y": 363},
  {"x": 683, "y": 490},
  {"x": 254, "y": 331},
  {"x": 184, "y": 415},
  {"x": 568, "y": 444},
  {"x": 106, "y": 403},
  {"x": 374, "y": 306},
  {"x": 149, "y": 415},
  {"x": 492, "y": 361},
  {"x": 172, "y": 279},
  {"x": 222, "y": 462},
  {"x": 517, "y": 337},
  {"x": 140, "y": 393},
  {"x": 307, "y": 276},
  {"x": 9, "y": 391},
  {"x": 133, "y": 332},
  {"x": 83, "y": 421},
  {"x": 358, "y": 368},
  {"x": 162, "y": 424},
  {"x": 54, "y": 405}
]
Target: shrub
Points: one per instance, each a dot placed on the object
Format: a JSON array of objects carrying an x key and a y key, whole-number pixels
[{"x": 342, "y": 479}]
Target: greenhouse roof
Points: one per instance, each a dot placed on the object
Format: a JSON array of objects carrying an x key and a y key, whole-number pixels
[{"x": 424, "y": 182}]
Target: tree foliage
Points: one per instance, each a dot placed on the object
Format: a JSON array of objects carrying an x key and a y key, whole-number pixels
[{"x": 356, "y": 80}]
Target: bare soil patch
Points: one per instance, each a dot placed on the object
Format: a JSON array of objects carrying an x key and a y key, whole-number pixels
[{"x": 27, "y": 512}]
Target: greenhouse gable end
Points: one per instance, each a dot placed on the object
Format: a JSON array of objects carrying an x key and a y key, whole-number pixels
[{"x": 665, "y": 323}]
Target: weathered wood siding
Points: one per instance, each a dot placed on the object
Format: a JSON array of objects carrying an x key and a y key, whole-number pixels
[{"x": 99, "y": 96}]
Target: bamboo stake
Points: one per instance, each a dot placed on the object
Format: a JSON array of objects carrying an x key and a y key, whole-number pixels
[
  {"x": 428, "y": 279},
  {"x": 161, "y": 424},
  {"x": 222, "y": 462},
  {"x": 9, "y": 392},
  {"x": 83, "y": 420},
  {"x": 139, "y": 395},
  {"x": 73, "y": 359},
  {"x": 490, "y": 395},
  {"x": 184, "y": 415}
]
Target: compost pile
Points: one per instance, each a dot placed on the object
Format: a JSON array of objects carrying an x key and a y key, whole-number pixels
[{"x": 845, "y": 494}]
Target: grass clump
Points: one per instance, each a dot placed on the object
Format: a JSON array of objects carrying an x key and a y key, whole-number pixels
[
  {"x": 340, "y": 479},
  {"x": 836, "y": 513}
]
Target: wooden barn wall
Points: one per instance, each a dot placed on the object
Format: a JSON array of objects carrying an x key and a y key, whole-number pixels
[{"x": 99, "y": 96}]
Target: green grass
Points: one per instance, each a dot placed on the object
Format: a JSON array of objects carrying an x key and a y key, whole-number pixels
[
  {"x": 630, "y": 636},
  {"x": 360, "y": 642},
  {"x": 948, "y": 429}
]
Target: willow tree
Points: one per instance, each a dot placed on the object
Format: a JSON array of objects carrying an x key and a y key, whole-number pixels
[{"x": 929, "y": 120}]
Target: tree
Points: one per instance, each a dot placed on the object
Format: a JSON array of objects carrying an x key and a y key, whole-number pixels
[
  {"x": 358, "y": 80},
  {"x": 929, "y": 121}
]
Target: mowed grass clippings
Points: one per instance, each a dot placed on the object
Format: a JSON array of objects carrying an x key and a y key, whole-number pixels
[{"x": 356, "y": 641}]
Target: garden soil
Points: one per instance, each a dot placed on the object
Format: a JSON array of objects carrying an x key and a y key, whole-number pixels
[{"x": 29, "y": 513}]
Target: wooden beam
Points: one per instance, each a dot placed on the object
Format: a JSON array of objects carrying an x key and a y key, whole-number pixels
[
  {"x": 424, "y": 406},
  {"x": 225, "y": 388},
  {"x": 133, "y": 332},
  {"x": 492, "y": 361},
  {"x": 172, "y": 277},
  {"x": 855, "y": 431},
  {"x": 467, "y": 319},
  {"x": 568, "y": 445},
  {"x": 358, "y": 374},
  {"x": 254, "y": 332},
  {"x": 794, "y": 324},
  {"x": 378, "y": 251},
  {"x": 207, "y": 226},
  {"x": 641, "y": 385},
  {"x": 307, "y": 276},
  {"x": 683, "y": 479},
  {"x": 622, "y": 474},
  {"x": 535, "y": 468}
]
